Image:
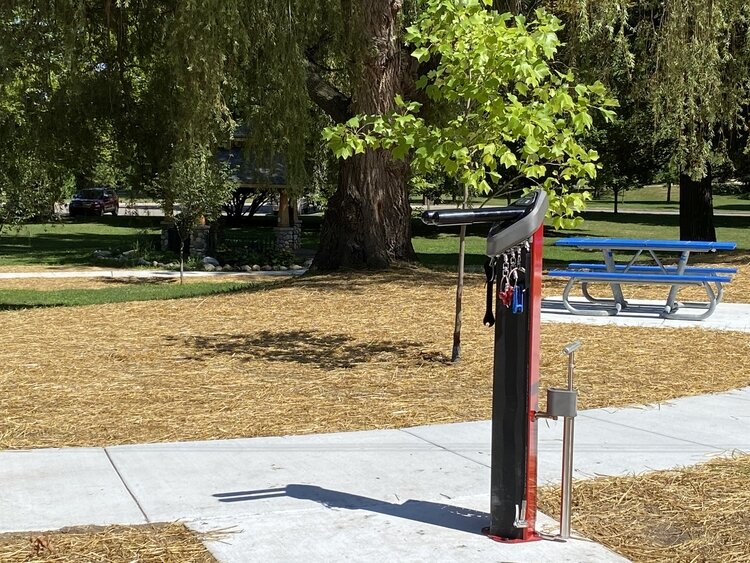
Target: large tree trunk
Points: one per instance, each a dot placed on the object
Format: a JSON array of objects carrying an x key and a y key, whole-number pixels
[
  {"x": 696, "y": 208},
  {"x": 368, "y": 220}
]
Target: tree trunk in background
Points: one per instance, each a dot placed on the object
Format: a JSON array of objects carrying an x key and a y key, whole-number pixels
[
  {"x": 697, "y": 208},
  {"x": 368, "y": 221},
  {"x": 617, "y": 193}
]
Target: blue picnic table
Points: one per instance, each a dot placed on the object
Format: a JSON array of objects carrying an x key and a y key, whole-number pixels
[{"x": 654, "y": 271}]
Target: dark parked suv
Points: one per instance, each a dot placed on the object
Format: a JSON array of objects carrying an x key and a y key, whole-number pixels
[{"x": 96, "y": 201}]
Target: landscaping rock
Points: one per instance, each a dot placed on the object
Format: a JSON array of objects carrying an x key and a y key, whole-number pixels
[
  {"x": 266, "y": 268},
  {"x": 129, "y": 253},
  {"x": 282, "y": 268},
  {"x": 142, "y": 262},
  {"x": 154, "y": 263},
  {"x": 247, "y": 268},
  {"x": 212, "y": 261},
  {"x": 256, "y": 268},
  {"x": 209, "y": 267},
  {"x": 228, "y": 268},
  {"x": 102, "y": 253},
  {"x": 296, "y": 267}
]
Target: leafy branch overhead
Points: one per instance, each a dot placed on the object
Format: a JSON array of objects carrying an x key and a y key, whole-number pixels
[{"x": 504, "y": 114}]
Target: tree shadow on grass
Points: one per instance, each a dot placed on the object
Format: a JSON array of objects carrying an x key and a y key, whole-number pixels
[
  {"x": 20, "y": 306},
  {"x": 327, "y": 351},
  {"x": 135, "y": 280}
]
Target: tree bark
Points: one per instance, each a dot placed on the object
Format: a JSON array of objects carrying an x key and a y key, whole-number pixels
[
  {"x": 368, "y": 221},
  {"x": 696, "y": 208},
  {"x": 616, "y": 192}
]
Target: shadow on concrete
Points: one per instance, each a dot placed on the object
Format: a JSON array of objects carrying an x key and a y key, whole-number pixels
[{"x": 436, "y": 514}]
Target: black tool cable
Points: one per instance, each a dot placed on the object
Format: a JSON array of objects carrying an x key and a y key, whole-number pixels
[{"x": 489, "y": 272}]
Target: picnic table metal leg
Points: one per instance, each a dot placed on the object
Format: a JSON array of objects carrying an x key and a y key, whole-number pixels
[
  {"x": 598, "y": 313},
  {"x": 609, "y": 260},
  {"x": 681, "y": 265},
  {"x": 714, "y": 298}
]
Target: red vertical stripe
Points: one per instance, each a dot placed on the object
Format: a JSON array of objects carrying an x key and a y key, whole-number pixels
[{"x": 534, "y": 297}]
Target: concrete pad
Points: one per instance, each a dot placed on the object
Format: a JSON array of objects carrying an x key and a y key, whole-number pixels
[
  {"x": 52, "y": 488},
  {"x": 412, "y": 530},
  {"x": 215, "y": 479},
  {"x": 727, "y": 316}
]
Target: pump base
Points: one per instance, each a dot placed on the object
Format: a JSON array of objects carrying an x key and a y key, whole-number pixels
[{"x": 533, "y": 537}]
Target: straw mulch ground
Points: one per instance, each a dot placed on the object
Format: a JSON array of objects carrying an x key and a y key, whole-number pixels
[
  {"x": 154, "y": 543},
  {"x": 695, "y": 514},
  {"x": 312, "y": 355}
]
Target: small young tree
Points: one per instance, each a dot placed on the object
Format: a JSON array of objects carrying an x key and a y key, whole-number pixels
[
  {"x": 29, "y": 189},
  {"x": 501, "y": 115},
  {"x": 201, "y": 186}
]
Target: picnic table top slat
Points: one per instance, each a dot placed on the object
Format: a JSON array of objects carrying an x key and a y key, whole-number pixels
[{"x": 645, "y": 244}]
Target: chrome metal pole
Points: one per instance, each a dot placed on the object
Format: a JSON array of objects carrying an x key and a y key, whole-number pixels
[{"x": 567, "y": 460}]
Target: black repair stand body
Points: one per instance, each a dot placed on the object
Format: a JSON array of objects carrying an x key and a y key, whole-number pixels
[{"x": 517, "y": 228}]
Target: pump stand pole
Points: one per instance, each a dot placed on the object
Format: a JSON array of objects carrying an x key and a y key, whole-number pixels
[{"x": 567, "y": 461}]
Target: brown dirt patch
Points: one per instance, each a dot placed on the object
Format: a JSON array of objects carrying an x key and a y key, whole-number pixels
[
  {"x": 313, "y": 355},
  {"x": 162, "y": 543},
  {"x": 698, "y": 513}
]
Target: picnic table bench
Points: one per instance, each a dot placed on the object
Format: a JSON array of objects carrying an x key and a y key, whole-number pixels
[{"x": 656, "y": 272}]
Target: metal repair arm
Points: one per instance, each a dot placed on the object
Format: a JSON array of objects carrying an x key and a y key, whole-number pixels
[{"x": 446, "y": 217}]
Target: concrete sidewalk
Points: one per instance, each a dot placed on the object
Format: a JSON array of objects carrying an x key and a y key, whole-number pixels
[
  {"x": 414, "y": 494},
  {"x": 137, "y": 273}
]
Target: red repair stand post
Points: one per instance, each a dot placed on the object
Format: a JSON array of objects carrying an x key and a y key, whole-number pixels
[{"x": 515, "y": 400}]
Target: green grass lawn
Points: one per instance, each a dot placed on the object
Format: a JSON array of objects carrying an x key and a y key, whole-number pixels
[
  {"x": 72, "y": 242},
  {"x": 648, "y": 198},
  {"x": 11, "y": 299},
  {"x": 654, "y": 198}
]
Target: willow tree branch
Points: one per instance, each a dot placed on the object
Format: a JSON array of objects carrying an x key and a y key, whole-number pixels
[{"x": 326, "y": 96}]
